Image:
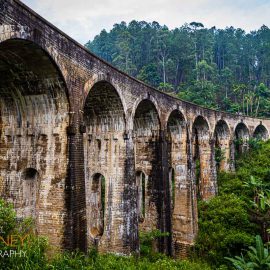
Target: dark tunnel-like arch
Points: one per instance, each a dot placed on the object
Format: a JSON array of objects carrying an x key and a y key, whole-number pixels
[
  {"x": 104, "y": 151},
  {"x": 34, "y": 109},
  {"x": 241, "y": 137},
  {"x": 103, "y": 109},
  {"x": 146, "y": 119},
  {"x": 222, "y": 145},
  {"x": 146, "y": 133},
  {"x": 261, "y": 133},
  {"x": 177, "y": 148},
  {"x": 98, "y": 199},
  {"x": 203, "y": 157}
]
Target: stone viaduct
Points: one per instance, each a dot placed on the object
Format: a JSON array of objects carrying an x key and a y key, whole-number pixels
[{"x": 94, "y": 155}]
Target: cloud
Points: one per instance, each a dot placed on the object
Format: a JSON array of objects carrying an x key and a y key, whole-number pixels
[{"x": 83, "y": 19}]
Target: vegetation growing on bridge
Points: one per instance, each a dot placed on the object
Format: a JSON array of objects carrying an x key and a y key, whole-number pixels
[{"x": 225, "y": 69}]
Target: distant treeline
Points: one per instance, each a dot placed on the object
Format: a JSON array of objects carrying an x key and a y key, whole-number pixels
[{"x": 226, "y": 69}]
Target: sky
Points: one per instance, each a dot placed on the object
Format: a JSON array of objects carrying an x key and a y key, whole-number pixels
[{"x": 83, "y": 19}]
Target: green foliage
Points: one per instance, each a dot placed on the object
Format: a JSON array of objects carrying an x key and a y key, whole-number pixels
[
  {"x": 258, "y": 257},
  {"x": 7, "y": 220},
  {"x": 219, "y": 156},
  {"x": 36, "y": 250},
  {"x": 74, "y": 261},
  {"x": 30, "y": 252},
  {"x": 225, "y": 69},
  {"x": 228, "y": 222},
  {"x": 224, "y": 228},
  {"x": 148, "y": 241}
]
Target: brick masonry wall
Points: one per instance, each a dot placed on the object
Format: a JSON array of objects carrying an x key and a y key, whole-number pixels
[{"x": 47, "y": 124}]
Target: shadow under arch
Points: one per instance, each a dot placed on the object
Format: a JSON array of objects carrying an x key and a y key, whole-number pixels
[
  {"x": 34, "y": 61},
  {"x": 222, "y": 137},
  {"x": 261, "y": 133},
  {"x": 146, "y": 119},
  {"x": 241, "y": 137},
  {"x": 103, "y": 109},
  {"x": 106, "y": 151},
  {"x": 34, "y": 109},
  {"x": 146, "y": 133},
  {"x": 203, "y": 159}
]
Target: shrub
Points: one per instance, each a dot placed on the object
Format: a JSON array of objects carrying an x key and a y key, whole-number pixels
[{"x": 224, "y": 228}]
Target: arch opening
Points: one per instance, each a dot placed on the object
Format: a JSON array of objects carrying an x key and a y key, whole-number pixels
[
  {"x": 176, "y": 140},
  {"x": 30, "y": 192},
  {"x": 261, "y": 133},
  {"x": 34, "y": 111},
  {"x": 241, "y": 137},
  {"x": 104, "y": 151},
  {"x": 98, "y": 205},
  {"x": 202, "y": 158},
  {"x": 222, "y": 146},
  {"x": 146, "y": 119},
  {"x": 146, "y": 129},
  {"x": 103, "y": 109}
]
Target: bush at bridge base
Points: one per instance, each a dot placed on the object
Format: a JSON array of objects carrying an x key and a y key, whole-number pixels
[
  {"x": 35, "y": 250},
  {"x": 229, "y": 222}
]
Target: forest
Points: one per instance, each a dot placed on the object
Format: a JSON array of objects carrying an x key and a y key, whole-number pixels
[{"x": 224, "y": 69}]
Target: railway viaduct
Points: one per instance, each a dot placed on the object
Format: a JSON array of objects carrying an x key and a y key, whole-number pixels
[{"x": 94, "y": 155}]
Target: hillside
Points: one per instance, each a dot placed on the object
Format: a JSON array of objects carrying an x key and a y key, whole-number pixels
[{"x": 226, "y": 69}]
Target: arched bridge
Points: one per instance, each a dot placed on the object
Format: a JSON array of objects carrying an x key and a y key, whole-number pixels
[{"x": 94, "y": 155}]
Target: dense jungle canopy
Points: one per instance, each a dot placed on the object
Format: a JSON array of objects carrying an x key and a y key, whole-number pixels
[{"x": 225, "y": 69}]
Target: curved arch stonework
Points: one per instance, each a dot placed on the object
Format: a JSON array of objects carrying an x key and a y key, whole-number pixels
[
  {"x": 222, "y": 137},
  {"x": 34, "y": 116},
  {"x": 203, "y": 152},
  {"x": 146, "y": 134},
  {"x": 241, "y": 136},
  {"x": 66, "y": 142},
  {"x": 182, "y": 212},
  {"x": 261, "y": 132}
]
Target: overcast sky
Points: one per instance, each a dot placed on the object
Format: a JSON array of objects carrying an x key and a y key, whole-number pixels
[{"x": 83, "y": 19}]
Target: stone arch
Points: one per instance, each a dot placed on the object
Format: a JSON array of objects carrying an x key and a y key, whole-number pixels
[
  {"x": 177, "y": 156},
  {"x": 200, "y": 130},
  {"x": 98, "y": 208},
  {"x": 176, "y": 123},
  {"x": 203, "y": 157},
  {"x": 103, "y": 109},
  {"x": 146, "y": 133},
  {"x": 222, "y": 145},
  {"x": 146, "y": 119},
  {"x": 261, "y": 132},
  {"x": 98, "y": 79},
  {"x": 241, "y": 137},
  {"x": 34, "y": 109},
  {"x": 105, "y": 151},
  {"x": 138, "y": 101}
]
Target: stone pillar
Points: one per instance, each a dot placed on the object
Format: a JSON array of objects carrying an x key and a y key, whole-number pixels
[
  {"x": 131, "y": 233},
  {"x": 75, "y": 186},
  {"x": 232, "y": 155},
  {"x": 184, "y": 213},
  {"x": 225, "y": 148},
  {"x": 207, "y": 184},
  {"x": 165, "y": 196}
]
